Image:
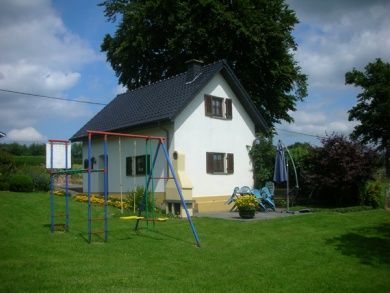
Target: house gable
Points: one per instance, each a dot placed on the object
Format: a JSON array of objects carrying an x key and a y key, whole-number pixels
[
  {"x": 163, "y": 101},
  {"x": 214, "y": 135}
]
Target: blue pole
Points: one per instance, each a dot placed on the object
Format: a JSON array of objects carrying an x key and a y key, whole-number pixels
[
  {"x": 105, "y": 188},
  {"x": 179, "y": 190},
  {"x": 51, "y": 189},
  {"x": 66, "y": 189},
  {"x": 89, "y": 185}
]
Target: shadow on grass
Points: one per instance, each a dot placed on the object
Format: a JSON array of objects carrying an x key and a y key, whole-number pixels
[
  {"x": 155, "y": 234},
  {"x": 371, "y": 244}
]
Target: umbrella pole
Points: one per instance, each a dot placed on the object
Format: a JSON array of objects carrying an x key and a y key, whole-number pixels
[{"x": 288, "y": 187}]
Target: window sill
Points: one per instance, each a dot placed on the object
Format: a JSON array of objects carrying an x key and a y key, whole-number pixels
[{"x": 218, "y": 117}]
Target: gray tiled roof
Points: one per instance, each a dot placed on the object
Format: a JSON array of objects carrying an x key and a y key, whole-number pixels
[{"x": 163, "y": 100}]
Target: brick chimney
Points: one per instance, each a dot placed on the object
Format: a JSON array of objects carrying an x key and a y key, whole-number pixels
[{"x": 193, "y": 69}]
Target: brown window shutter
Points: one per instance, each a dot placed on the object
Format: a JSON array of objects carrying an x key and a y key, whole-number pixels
[
  {"x": 230, "y": 163},
  {"x": 229, "y": 112},
  {"x": 209, "y": 163},
  {"x": 208, "y": 105}
]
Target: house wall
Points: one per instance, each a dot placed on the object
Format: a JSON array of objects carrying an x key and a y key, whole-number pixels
[
  {"x": 195, "y": 134},
  {"x": 129, "y": 148}
]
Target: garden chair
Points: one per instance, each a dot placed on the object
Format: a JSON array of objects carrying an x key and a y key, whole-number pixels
[
  {"x": 257, "y": 194},
  {"x": 234, "y": 196},
  {"x": 267, "y": 198},
  {"x": 237, "y": 192}
]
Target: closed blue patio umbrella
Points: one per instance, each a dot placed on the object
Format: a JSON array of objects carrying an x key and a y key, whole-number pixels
[{"x": 281, "y": 168}]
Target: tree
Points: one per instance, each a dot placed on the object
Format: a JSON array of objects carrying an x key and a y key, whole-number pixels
[
  {"x": 77, "y": 152},
  {"x": 154, "y": 38},
  {"x": 263, "y": 160},
  {"x": 338, "y": 169},
  {"x": 373, "y": 106}
]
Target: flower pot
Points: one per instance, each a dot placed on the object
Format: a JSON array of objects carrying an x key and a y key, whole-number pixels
[{"x": 247, "y": 214}]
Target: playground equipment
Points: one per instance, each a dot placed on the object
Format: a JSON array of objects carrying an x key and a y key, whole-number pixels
[
  {"x": 264, "y": 196},
  {"x": 149, "y": 179},
  {"x": 58, "y": 162}
]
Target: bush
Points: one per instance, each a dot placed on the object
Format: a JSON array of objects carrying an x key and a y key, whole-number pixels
[
  {"x": 135, "y": 198},
  {"x": 29, "y": 160},
  {"x": 336, "y": 171},
  {"x": 7, "y": 163},
  {"x": 263, "y": 158},
  {"x": 41, "y": 182},
  {"x": 371, "y": 194},
  {"x": 21, "y": 183},
  {"x": 4, "y": 184}
]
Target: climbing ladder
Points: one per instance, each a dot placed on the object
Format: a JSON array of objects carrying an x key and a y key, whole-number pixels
[
  {"x": 54, "y": 226},
  {"x": 91, "y": 218}
]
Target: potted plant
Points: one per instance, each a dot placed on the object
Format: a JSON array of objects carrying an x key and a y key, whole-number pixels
[{"x": 246, "y": 206}]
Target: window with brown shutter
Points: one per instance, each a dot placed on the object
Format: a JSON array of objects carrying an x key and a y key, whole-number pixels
[
  {"x": 219, "y": 163},
  {"x": 229, "y": 112},
  {"x": 214, "y": 107},
  {"x": 230, "y": 163},
  {"x": 208, "y": 105}
]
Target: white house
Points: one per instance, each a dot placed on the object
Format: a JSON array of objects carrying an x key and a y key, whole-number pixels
[{"x": 209, "y": 123}]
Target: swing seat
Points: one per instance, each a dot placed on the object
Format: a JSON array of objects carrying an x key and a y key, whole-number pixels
[
  {"x": 131, "y": 218},
  {"x": 154, "y": 219},
  {"x": 144, "y": 219}
]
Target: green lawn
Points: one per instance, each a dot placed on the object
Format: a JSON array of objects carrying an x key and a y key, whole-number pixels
[{"x": 319, "y": 252}]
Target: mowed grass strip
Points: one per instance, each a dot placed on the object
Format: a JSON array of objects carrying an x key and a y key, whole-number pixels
[{"x": 317, "y": 252}]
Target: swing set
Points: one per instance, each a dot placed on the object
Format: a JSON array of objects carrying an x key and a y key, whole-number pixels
[{"x": 148, "y": 196}]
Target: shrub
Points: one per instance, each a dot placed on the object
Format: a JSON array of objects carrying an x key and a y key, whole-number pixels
[
  {"x": 263, "y": 159},
  {"x": 371, "y": 194},
  {"x": 39, "y": 176},
  {"x": 7, "y": 163},
  {"x": 29, "y": 160},
  {"x": 21, "y": 183},
  {"x": 135, "y": 198},
  {"x": 336, "y": 170},
  {"x": 41, "y": 182},
  {"x": 4, "y": 183}
]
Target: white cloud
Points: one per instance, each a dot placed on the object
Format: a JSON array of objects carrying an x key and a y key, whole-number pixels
[
  {"x": 28, "y": 134},
  {"x": 336, "y": 36},
  {"x": 319, "y": 123},
  {"x": 38, "y": 55},
  {"x": 119, "y": 89}
]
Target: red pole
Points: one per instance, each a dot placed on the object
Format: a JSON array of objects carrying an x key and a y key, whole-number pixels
[{"x": 160, "y": 138}]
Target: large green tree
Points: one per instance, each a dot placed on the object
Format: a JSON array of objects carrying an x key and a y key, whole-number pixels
[
  {"x": 373, "y": 106},
  {"x": 154, "y": 38}
]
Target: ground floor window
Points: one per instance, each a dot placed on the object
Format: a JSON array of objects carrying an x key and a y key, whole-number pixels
[
  {"x": 137, "y": 166},
  {"x": 219, "y": 163}
]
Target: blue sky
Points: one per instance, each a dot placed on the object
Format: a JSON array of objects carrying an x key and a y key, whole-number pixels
[{"x": 53, "y": 48}]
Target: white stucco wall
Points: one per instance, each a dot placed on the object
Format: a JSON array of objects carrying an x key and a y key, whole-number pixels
[
  {"x": 129, "y": 148},
  {"x": 195, "y": 134}
]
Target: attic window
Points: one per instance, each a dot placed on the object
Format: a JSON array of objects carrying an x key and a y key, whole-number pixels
[{"x": 218, "y": 107}]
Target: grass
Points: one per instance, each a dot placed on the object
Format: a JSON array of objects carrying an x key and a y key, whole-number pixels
[{"x": 317, "y": 252}]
